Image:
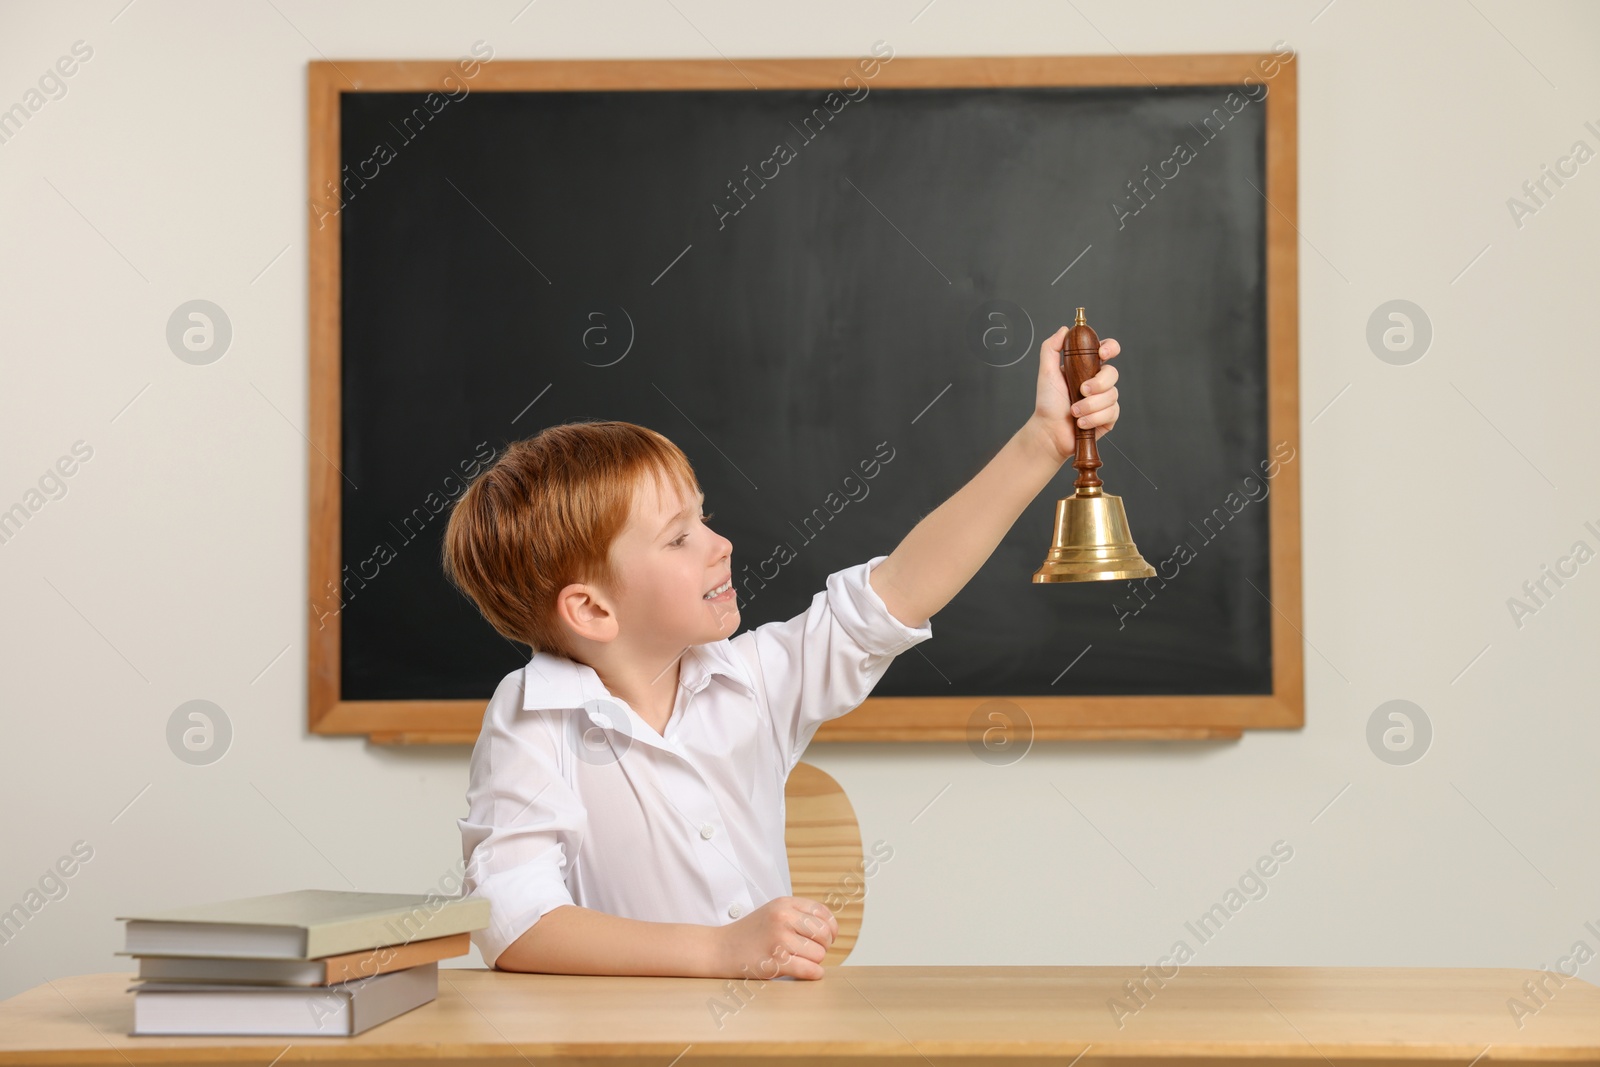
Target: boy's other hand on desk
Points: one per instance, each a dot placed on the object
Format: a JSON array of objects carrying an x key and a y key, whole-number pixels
[
  {"x": 785, "y": 936},
  {"x": 1098, "y": 408}
]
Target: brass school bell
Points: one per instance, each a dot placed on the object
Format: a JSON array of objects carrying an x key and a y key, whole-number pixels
[{"x": 1092, "y": 542}]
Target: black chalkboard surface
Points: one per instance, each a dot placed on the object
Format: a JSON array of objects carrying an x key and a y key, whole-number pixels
[{"x": 878, "y": 292}]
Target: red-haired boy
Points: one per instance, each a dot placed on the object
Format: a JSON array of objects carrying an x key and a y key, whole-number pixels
[{"x": 626, "y": 805}]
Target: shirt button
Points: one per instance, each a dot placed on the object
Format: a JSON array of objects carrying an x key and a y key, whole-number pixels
[
  {"x": 734, "y": 911},
  {"x": 707, "y": 831}
]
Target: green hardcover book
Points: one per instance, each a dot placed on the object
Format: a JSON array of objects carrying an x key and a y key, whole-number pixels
[{"x": 301, "y": 925}]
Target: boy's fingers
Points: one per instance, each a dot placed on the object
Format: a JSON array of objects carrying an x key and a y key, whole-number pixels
[
  {"x": 823, "y": 919},
  {"x": 1050, "y": 350},
  {"x": 1097, "y": 402},
  {"x": 819, "y": 909},
  {"x": 819, "y": 929},
  {"x": 1109, "y": 348},
  {"x": 1101, "y": 382},
  {"x": 1103, "y": 417},
  {"x": 1050, "y": 358},
  {"x": 808, "y": 949},
  {"x": 805, "y": 969}
]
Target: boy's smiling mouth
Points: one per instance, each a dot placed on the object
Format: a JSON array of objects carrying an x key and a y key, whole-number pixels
[{"x": 721, "y": 592}]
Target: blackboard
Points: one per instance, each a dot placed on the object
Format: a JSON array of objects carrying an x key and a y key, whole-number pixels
[{"x": 879, "y": 294}]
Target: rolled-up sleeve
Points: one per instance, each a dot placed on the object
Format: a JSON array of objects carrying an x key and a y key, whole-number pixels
[
  {"x": 524, "y": 823},
  {"x": 824, "y": 662}
]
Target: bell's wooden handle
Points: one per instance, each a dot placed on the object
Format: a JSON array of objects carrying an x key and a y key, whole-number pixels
[{"x": 1080, "y": 359}]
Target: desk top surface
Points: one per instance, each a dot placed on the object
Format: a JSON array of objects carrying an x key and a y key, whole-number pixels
[{"x": 1314, "y": 1015}]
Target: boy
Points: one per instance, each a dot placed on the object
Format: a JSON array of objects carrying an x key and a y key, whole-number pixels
[{"x": 626, "y": 806}]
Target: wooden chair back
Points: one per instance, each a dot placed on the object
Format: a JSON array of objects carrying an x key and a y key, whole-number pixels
[{"x": 824, "y": 845}]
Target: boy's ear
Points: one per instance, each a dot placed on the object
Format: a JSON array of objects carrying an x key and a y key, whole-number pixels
[{"x": 586, "y": 612}]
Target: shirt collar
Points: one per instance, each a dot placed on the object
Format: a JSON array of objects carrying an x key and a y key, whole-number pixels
[
  {"x": 714, "y": 659},
  {"x": 551, "y": 681},
  {"x": 554, "y": 681}
]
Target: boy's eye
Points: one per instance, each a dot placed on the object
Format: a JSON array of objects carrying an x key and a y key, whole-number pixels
[{"x": 677, "y": 543}]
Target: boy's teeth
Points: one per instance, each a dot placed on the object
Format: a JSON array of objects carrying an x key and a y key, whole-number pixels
[{"x": 719, "y": 590}]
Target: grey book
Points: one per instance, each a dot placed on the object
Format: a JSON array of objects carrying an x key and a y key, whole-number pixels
[
  {"x": 342, "y": 1010},
  {"x": 302, "y": 925},
  {"x": 329, "y": 970}
]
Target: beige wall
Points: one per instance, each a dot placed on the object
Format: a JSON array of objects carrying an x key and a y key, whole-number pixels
[{"x": 172, "y": 568}]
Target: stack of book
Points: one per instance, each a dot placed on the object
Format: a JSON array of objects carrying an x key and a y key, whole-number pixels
[{"x": 312, "y": 963}]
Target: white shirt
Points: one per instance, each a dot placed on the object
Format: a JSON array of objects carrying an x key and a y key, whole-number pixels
[{"x": 575, "y": 799}]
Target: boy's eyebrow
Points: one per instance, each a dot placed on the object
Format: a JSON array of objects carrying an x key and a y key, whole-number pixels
[{"x": 680, "y": 516}]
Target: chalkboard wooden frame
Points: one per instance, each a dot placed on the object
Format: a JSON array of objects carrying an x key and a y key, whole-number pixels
[{"x": 879, "y": 718}]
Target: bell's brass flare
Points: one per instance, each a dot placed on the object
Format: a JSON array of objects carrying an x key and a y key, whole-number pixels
[
  {"x": 1080, "y": 320},
  {"x": 1092, "y": 542}
]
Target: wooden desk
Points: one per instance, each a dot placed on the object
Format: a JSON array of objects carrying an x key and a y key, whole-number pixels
[{"x": 880, "y": 1015}]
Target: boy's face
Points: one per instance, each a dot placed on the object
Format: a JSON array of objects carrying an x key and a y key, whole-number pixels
[{"x": 669, "y": 560}]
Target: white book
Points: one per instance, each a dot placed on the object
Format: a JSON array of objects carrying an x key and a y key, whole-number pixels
[{"x": 341, "y": 1010}]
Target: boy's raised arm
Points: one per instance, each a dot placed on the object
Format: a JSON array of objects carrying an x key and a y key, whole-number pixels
[{"x": 942, "y": 552}]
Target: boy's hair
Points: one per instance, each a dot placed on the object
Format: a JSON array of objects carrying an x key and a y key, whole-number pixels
[{"x": 545, "y": 514}]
